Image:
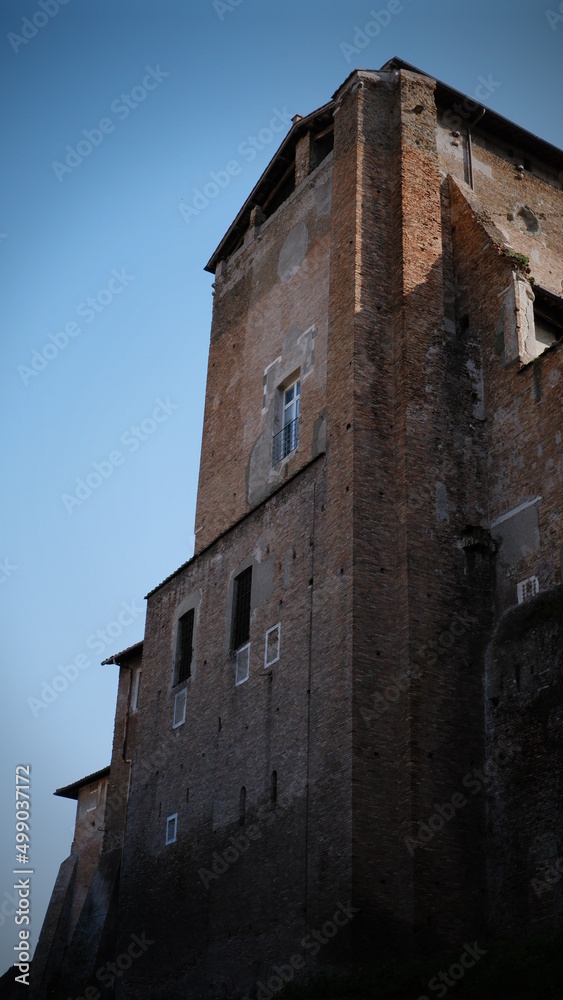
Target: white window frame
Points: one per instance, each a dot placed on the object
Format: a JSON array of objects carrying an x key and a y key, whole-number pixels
[
  {"x": 135, "y": 689},
  {"x": 240, "y": 676},
  {"x": 174, "y": 820},
  {"x": 296, "y": 386},
  {"x": 527, "y": 588},
  {"x": 181, "y": 696},
  {"x": 267, "y": 662}
]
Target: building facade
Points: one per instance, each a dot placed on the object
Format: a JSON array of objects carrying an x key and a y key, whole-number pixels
[{"x": 348, "y": 710}]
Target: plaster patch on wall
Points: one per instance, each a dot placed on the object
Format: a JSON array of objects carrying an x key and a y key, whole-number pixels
[
  {"x": 293, "y": 252},
  {"x": 525, "y": 327},
  {"x": 517, "y": 533},
  {"x": 296, "y": 360},
  {"x": 483, "y": 168},
  {"x": 322, "y": 193},
  {"x": 290, "y": 340},
  {"x": 258, "y": 468},
  {"x": 443, "y": 506},
  {"x": 476, "y": 376},
  {"x": 319, "y": 436}
]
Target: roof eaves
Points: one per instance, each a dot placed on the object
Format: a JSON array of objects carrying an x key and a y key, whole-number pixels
[
  {"x": 491, "y": 121},
  {"x": 299, "y": 126},
  {"x": 71, "y": 791},
  {"x": 125, "y": 654}
]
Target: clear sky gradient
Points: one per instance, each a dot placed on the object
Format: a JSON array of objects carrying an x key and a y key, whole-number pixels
[{"x": 105, "y": 307}]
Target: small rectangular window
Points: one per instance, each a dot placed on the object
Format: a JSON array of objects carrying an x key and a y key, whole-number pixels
[
  {"x": 527, "y": 588},
  {"x": 180, "y": 708},
  {"x": 272, "y": 649},
  {"x": 243, "y": 664},
  {"x": 240, "y": 626},
  {"x": 171, "y": 828},
  {"x": 135, "y": 690},
  {"x": 286, "y": 440},
  {"x": 184, "y": 647},
  {"x": 548, "y": 319}
]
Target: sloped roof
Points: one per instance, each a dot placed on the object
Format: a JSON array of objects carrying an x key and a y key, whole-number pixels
[
  {"x": 125, "y": 654},
  {"x": 490, "y": 122},
  {"x": 273, "y": 174},
  {"x": 71, "y": 791}
]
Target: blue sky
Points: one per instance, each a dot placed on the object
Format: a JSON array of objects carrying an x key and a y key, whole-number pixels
[{"x": 115, "y": 112}]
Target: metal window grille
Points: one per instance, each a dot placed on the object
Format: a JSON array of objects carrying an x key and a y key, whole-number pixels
[
  {"x": 285, "y": 441},
  {"x": 185, "y": 646},
  {"x": 527, "y": 588},
  {"x": 240, "y": 628}
]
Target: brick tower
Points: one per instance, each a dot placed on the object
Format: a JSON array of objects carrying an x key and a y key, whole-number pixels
[{"x": 321, "y": 749}]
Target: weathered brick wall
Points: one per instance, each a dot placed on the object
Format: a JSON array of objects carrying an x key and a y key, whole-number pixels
[
  {"x": 269, "y": 321},
  {"x": 402, "y": 564},
  {"x": 383, "y": 547},
  {"x": 524, "y": 734},
  {"x": 122, "y": 752},
  {"x": 70, "y": 893},
  {"x": 234, "y": 927},
  {"x": 523, "y": 504}
]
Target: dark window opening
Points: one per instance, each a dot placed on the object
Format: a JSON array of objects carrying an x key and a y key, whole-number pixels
[
  {"x": 548, "y": 318},
  {"x": 323, "y": 144},
  {"x": 240, "y": 628},
  {"x": 184, "y": 647},
  {"x": 280, "y": 193}
]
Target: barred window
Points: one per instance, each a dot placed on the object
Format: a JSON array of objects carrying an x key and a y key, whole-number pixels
[
  {"x": 240, "y": 626},
  {"x": 184, "y": 647}
]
